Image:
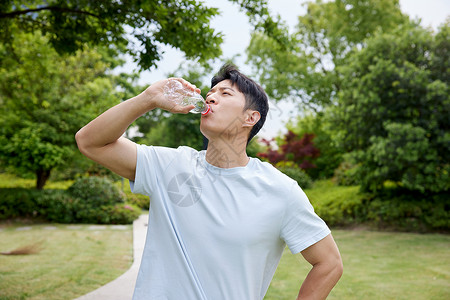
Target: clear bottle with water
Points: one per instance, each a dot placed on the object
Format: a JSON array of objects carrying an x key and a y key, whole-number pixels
[{"x": 176, "y": 92}]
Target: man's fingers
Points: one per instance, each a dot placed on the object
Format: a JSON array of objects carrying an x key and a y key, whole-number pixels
[
  {"x": 179, "y": 109},
  {"x": 187, "y": 84}
]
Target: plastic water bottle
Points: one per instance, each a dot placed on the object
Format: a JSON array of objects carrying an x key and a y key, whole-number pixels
[{"x": 175, "y": 91}]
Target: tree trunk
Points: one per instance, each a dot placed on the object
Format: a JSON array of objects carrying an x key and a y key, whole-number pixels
[{"x": 42, "y": 177}]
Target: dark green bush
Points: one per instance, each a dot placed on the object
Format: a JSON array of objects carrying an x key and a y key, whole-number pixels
[
  {"x": 295, "y": 172},
  {"x": 52, "y": 205},
  {"x": 346, "y": 174},
  {"x": 122, "y": 213},
  {"x": 106, "y": 214},
  {"x": 408, "y": 211},
  {"x": 96, "y": 191},
  {"x": 57, "y": 206},
  {"x": 17, "y": 202},
  {"x": 103, "y": 203}
]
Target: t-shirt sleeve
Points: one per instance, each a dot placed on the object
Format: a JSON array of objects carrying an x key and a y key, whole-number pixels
[
  {"x": 151, "y": 161},
  {"x": 301, "y": 226}
]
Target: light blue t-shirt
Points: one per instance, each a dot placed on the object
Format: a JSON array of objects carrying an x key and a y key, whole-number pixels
[{"x": 217, "y": 233}]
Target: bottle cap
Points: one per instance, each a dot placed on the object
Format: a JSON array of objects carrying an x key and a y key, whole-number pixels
[{"x": 207, "y": 110}]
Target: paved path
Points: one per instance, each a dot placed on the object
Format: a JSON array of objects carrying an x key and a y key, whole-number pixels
[{"x": 122, "y": 287}]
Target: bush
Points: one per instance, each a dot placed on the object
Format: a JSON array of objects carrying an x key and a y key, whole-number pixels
[
  {"x": 404, "y": 210},
  {"x": 55, "y": 206},
  {"x": 96, "y": 191},
  {"x": 17, "y": 202},
  {"x": 337, "y": 205},
  {"x": 295, "y": 172},
  {"x": 121, "y": 214},
  {"x": 347, "y": 173},
  {"x": 99, "y": 201},
  {"x": 52, "y": 205},
  {"x": 102, "y": 203}
]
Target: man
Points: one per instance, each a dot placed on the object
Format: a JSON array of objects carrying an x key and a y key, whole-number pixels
[{"x": 219, "y": 220}]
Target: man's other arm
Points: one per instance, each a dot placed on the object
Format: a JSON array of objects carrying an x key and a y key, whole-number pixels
[
  {"x": 101, "y": 140},
  {"x": 327, "y": 268}
]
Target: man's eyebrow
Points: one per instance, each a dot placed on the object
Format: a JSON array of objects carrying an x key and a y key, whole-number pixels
[{"x": 221, "y": 88}]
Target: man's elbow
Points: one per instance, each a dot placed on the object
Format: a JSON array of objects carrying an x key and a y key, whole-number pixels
[
  {"x": 81, "y": 141},
  {"x": 338, "y": 267}
]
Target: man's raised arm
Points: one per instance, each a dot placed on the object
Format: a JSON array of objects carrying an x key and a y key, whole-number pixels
[{"x": 101, "y": 140}]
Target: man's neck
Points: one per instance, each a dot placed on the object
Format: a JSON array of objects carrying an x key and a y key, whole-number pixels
[{"x": 224, "y": 154}]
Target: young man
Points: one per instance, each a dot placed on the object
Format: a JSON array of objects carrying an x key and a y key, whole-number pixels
[{"x": 219, "y": 220}]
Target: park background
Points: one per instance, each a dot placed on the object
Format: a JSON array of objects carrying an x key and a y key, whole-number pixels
[{"x": 359, "y": 117}]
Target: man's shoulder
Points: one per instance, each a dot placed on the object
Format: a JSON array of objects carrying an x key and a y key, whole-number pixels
[
  {"x": 165, "y": 156},
  {"x": 268, "y": 170},
  {"x": 162, "y": 149}
]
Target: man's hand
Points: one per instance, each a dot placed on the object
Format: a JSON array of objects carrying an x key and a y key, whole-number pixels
[
  {"x": 327, "y": 268},
  {"x": 155, "y": 94}
]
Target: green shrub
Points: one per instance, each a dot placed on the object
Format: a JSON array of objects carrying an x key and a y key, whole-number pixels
[
  {"x": 51, "y": 205},
  {"x": 103, "y": 203},
  {"x": 98, "y": 200},
  {"x": 57, "y": 206},
  {"x": 404, "y": 210},
  {"x": 122, "y": 213},
  {"x": 347, "y": 173},
  {"x": 96, "y": 191},
  {"x": 17, "y": 202},
  {"x": 337, "y": 205},
  {"x": 295, "y": 172}
]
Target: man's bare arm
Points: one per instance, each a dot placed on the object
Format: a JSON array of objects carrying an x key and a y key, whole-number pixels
[
  {"x": 101, "y": 140},
  {"x": 327, "y": 268}
]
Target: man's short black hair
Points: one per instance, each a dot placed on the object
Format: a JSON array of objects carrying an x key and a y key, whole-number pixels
[{"x": 255, "y": 97}]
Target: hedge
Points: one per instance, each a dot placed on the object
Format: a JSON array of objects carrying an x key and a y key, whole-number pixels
[
  {"x": 88, "y": 200},
  {"x": 393, "y": 209}
]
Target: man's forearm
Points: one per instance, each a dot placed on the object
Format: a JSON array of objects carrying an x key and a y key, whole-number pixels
[
  {"x": 110, "y": 126},
  {"x": 320, "y": 281}
]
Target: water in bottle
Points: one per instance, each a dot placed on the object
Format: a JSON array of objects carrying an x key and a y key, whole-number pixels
[{"x": 175, "y": 91}]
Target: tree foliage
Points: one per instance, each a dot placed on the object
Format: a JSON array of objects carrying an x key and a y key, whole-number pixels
[
  {"x": 45, "y": 99},
  {"x": 394, "y": 109},
  {"x": 134, "y": 26},
  {"x": 324, "y": 140},
  {"x": 308, "y": 71}
]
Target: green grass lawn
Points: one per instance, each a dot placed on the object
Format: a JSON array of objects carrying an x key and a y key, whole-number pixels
[
  {"x": 377, "y": 265},
  {"x": 74, "y": 260}
]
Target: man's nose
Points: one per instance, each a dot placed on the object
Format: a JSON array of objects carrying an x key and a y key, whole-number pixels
[{"x": 210, "y": 99}]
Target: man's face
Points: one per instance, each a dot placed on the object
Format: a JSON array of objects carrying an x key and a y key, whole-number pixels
[{"x": 227, "y": 111}]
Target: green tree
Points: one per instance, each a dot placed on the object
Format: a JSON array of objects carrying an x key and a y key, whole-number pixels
[
  {"x": 330, "y": 154},
  {"x": 308, "y": 71},
  {"x": 45, "y": 99},
  {"x": 394, "y": 108},
  {"x": 70, "y": 25}
]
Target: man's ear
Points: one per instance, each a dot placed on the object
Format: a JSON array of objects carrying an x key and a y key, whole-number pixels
[{"x": 252, "y": 117}]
